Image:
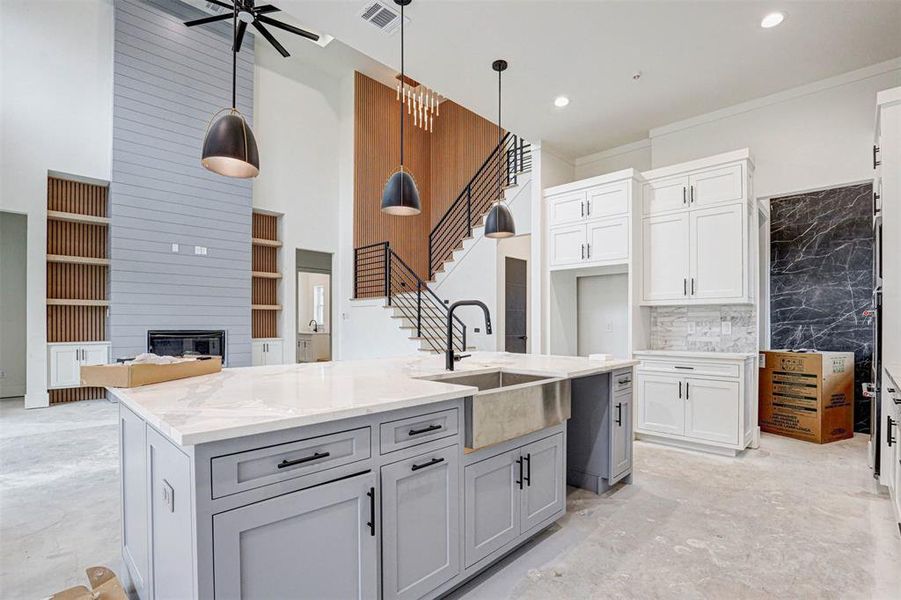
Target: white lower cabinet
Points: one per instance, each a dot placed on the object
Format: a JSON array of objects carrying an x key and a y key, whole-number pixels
[
  {"x": 266, "y": 352},
  {"x": 64, "y": 361},
  {"x": 509, "y": 494},
  {"x": 699, "y": 402},
  {"x": 314, "y": 543},
  {"x": 421, "y": 523}
]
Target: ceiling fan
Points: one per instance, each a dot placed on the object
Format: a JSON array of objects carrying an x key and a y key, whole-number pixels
[{"x": 248, "y": 13}]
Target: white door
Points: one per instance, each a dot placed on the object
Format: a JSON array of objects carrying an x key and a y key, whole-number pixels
[
  {"x": 65, "y": 364},
  {"x": 665, "y": 257},
  {"x": 543, "y": 493},
  {"x": 662, "y": 408},
  {"x": 273, "y": 354},
  {"x": 716, "y": 186},
  {"x": 257, "y": 353},
  {"x": 608, "y": 200},
  {"x": 608, "y": 240},
  {"x": 567, "y": 245},
  {"x": 566, "y": 208},
  {"x": 95, "y": 354},
  {"x": 491, "y": 491},
  {"x": 711, "y": 410},
  {"x": 665, "y": 195},
  {"x": 717, "y": 250}
]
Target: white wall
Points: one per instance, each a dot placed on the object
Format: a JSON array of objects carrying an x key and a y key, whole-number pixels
[
  {"x": 628, "y": 156},
  {"x": 369, "y": 332},
  {"x": 13, "y": 256},
  {"x": 56, "y": 69},
  {"x": 603, "y": 315}
]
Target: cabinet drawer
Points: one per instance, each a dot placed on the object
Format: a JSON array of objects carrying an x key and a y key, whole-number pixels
[
  {"x": 397, "y": 435},
  {"x": 242, "y": 471},
  {"x": 622, "y": 380},
  {"x": 714, "y": 369}
]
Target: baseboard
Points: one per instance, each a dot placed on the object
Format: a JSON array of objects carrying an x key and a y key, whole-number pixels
[{"x": 688, "y": 445}]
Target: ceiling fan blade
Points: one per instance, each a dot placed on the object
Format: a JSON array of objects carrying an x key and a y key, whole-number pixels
[
  {"x": 271, "y": 39},
  {"x": 266, "y": 8},
  {"x": 208, "y": 20},
  {"x": 242, "y": 27},
  {"x": 286, "y": 27}
]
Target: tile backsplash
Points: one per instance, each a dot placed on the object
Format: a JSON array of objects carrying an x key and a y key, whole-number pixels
[{"x": 700, "y": 328}]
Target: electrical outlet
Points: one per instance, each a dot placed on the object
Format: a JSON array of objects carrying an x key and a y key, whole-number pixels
[
  {"x": 200, "y": 250},
  {"x": 2, "y": 374},
  {"x": 175, "y": 247},
  {"x": 169, "y": 495},
  {"x": 726, "y": 327},
  {"x": 610, "y": 326}
]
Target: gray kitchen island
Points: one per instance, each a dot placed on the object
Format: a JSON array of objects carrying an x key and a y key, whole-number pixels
[{"x": 388, "y": 478}]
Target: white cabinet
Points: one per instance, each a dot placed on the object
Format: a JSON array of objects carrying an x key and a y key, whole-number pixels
[
  {"x": 266, "y": 352},
  {"x": 64, "y": 361},
  {"x": 701, "y": 400},
  {"x": 621, "y": 436},
  {"x": 665, "y": 195},
  {"x": 717, "y": 253},
  {"x": 567, "y": 245},
  {"x": 607, "y": 240},
  {"x": 566, "y": 208},
  {"x": 607, "y": 200},
  {"x": 665, "y": 257},
  {"x": 716, "y": 186}
]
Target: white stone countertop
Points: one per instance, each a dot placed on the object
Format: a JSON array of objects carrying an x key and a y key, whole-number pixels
[
  {"x": 695, "y": 354},
  {"x": 249, "y": 400}
]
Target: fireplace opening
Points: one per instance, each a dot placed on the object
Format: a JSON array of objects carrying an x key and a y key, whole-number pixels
[{"x": 187, "y": 342}]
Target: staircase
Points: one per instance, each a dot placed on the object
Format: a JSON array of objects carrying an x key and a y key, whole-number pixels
[{"x": 380, "y": 272}]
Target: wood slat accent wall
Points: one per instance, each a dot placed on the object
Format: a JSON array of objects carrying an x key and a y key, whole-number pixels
[
  {"x": 265, "y": 226},
  {"x": 70, "y": 196},
  {"x": 75, "y": 394},
  {"x": 264, "y": 323},
  {"x": 461, "y": 142},
  {"x": 376, "y": 158}
]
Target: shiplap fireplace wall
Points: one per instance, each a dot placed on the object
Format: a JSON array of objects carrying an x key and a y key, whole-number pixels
[{"x": 168, "y": 82}]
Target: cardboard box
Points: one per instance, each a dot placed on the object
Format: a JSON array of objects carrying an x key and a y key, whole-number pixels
[
  {"x": 104, "y": 586},
  {"x": 126, "y": 376},
  {"x": 807, "y": 395}
]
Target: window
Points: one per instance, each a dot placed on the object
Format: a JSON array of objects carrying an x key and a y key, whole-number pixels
[{"x": 319, "y": 304}]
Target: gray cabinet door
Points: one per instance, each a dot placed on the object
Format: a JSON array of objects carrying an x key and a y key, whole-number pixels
[
  {"x": 420, "y": 523},
  {"x": 544, "y": 491},
  {"x": 314, "y": 543},
  {"x": 620, "y": 437},
  {"x": 491, "y": 505},
  {"x": 133, "y": 466}
]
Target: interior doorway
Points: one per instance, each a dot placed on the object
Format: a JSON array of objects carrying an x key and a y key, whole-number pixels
[
  {"x": 13, "y": 260},
  {"x": 515, "y": 305},
  {"x": 314, "y": 306}
]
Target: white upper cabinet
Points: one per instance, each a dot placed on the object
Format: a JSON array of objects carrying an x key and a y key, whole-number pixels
[
  {"x": 697, "y": 233},
  {"x": 607, "y": 240},
  {"x": 608, "y": 200},
  {"x": 567, "y": 245},
  {"x": 567, "y": 208}
]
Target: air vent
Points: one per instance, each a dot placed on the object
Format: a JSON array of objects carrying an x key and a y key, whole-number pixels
[{"x": 380, "y": 15}]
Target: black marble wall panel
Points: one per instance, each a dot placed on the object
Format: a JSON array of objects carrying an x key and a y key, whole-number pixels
[{"x": 821, "y": 277}]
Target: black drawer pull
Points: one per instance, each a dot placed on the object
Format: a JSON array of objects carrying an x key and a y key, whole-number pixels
[
  {"x": 425, "y": 429},
  {"x": 300, "y": 461},
  {"x": 519, "y": 481},
  {"x": 434, "y": 461},
  {"x": 624, "y": 381},
  {"x": 619, "y": 413},
  {"x": 681, "y": 367}
]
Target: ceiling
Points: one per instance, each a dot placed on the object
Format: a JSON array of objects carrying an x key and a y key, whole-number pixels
[{"x": 694, "y": 57}]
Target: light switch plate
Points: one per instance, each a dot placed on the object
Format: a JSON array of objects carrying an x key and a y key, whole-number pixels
[
  {"x": 726, "y": 327},
  {"x": 169, "y": 495},
  {"x": 175, "y": 247},
  {"x": 200, "y": 250}
]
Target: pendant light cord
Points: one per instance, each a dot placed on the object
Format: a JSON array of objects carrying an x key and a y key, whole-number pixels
[
  {"x": 234, "y": 55},
  {"x": 499, "y": 138},
  {"x": 402, "y": 96}
]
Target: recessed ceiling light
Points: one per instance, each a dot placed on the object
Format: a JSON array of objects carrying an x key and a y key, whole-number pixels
[
  {"x": 561, "y": 101},
  {"x": 772, "y": 19}
]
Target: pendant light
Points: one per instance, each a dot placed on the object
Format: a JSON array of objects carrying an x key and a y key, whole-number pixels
[
  {"x": 400, "y": 196},
  {"x": 499, "y": 223},
  {"x": 229, "y": 147}
]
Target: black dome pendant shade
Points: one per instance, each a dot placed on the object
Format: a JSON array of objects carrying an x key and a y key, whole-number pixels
[
  {"x": 229, "y": 147},
  {"x": 400, "y": 196},
  {"x": 499, "y": 222}
]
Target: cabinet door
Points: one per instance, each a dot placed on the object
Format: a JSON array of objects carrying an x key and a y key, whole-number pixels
[
  {"x": 608, "y": 240},
  {"x": 711, "y": 410},
  {"x": 716, "y": 186},
  {"x": 620, "y": 437},
  {"x": 567, "y": 245},
  {"x": 662, "y": 408},
  {"x": 315, "y": 543},
  {"x": 491, "y": 505},
  {"x": 420, "y": 523},
  {"x": 544, "y": 489},
  {"x": 665, "y": 257},
  {"x": 133, "y": 488},
  {"x": 94, "y": 354},
  {"x": 65, "y": 362},
  {"x": 608, "y": 200},
  {"x": 257, "y": 353},
  {"x": 717, "y": 250},
  {"x": 273, "y": 354},
  {"x": 665, "y": 195},
  {"x": 566, "y": 208}
]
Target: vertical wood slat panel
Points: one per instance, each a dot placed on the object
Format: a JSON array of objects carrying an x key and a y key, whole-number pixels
[{"x": 264, "y": 323}]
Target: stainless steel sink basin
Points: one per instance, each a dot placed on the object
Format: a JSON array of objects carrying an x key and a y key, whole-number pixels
[{"x": 510, "y": 404}]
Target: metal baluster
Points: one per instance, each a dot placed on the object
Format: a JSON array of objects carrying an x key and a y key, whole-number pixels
[
  {"x": 388, "y": 274},
  {"x": 469, "y": 210},
  {"x": 418, "y": 308}
]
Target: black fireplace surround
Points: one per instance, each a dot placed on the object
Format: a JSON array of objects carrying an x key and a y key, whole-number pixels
[{"x": 187, "y": 342}]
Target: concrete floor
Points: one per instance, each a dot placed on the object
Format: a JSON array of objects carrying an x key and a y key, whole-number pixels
[{"x": 789, "y": 520}]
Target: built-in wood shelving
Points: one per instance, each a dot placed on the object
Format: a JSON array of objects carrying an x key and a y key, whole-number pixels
[
  {"x": 77, "y": 270},
  {"x": 265, "y": 275}
]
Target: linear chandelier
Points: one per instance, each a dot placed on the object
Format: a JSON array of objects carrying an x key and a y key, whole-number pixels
[{"x": 423, "y": 104}]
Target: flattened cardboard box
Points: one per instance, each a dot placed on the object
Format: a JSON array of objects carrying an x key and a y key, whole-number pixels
[
  {"x": 126, "y": 376},
  {"x": 807, "y": 395}
]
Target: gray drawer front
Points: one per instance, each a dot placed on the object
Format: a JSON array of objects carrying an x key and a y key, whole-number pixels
[
  {"x": 247, "y": 470},
  {"x": 622, "y": 380},
  {"x": 398, "y": 435}
]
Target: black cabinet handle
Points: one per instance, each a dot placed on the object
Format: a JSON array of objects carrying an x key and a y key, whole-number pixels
[
  {"x": 528, "y": 477},
  {"x": 619, "y": 414},
  {"x": 876, "y": 162},
  {"x": 434, "y": 461},
  {"x": 371, "y": 523},
  {"x": 684, "y": 286},
  {"x": 425, "y": 429},
  {"x": 686, "y": 390},
  {"x": 692, "y": 286},
  {"x": 889, "y": 438},
  {"x": 680, "y": 389},
  {"x": 300, "y": 461},
  {"x": 623, "y": 381},
  {"x": 685, "y": 368},
  {"x": 691, "y": 195},
  {"x": 684, "y": 201},
  {"x": 519, "y": 481}
]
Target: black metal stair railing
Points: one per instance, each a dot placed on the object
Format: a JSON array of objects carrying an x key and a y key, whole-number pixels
[
  {"x": 514, "y": 156},
  {"x": 380, "y": 272}
]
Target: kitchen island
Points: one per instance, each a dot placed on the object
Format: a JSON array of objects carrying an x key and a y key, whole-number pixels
[{"x": 389, "y": 478}]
